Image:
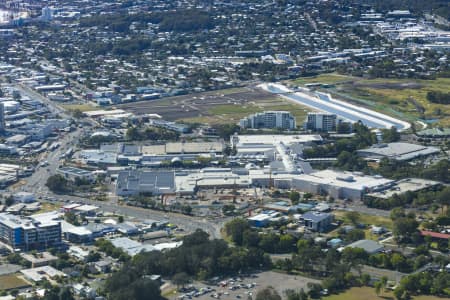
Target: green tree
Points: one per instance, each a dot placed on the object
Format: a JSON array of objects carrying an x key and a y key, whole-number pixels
[
  {"x": 181, "y": 279},
  {"x": 307, "y": 196},
  {"x": 294, "y": 196},
  {"x": 269, "y": 242},
  {"x": 396, "y": 213},
  {"x": 353, "y": 217},
  {"x": 296, "y": 295},
  {"x": 9, "y": 201},
  {"x": 397, "y": 261},
  {"x": 404, "y": 229},
  {"x": 93, "y": 256},
  {"x": 71, "y": 218},
  {"x": 228, "y": 209},
  {"x": 378, "y": 287},
  {"x": 250, "y": 238},
  {"x": 286, "y": 243},
  {"x": 365, "y": 279},
  {"x": 391, "y": 135},
  {"x": 268, "y": 293},
  {"x": 133, "y": 134},
  {"x": 58, "y": 293},
  {"x": 235, "y": 229},
  {"x": 354, "y": 235},
  {"x": 77, "y": 114},
  {"x": 57, "y": 184},
  {"x": 139, "y": 289},
  {"x": 444, "y": 198}
]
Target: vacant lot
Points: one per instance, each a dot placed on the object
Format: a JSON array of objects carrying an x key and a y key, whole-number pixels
[
  {"x": 80, "y": 107},
  {"x": 401, "y": 98},
  {"x": 366, "y": 219},
  {"x": 46, "y": 207},
  {"x": 8, "y": 282},
  {"x": 368, "y": 293},
  {"x": 218, "y": 107},
  {"x": 282, "y": 282}
]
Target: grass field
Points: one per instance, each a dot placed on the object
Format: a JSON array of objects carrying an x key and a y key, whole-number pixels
[
  {"x": 368, "y": 293},
  {"x": 80, "y": 107},
  {"x": 229, "y": 91},
  {"x": 8, "y": 282},
  {"x": 367, "y": 219},
  {"x": 331, "y": 78},
  {"x": 232, "y": 113},
  {"x": 401, "y": 98},
  {"x": 47, "y": 207}
]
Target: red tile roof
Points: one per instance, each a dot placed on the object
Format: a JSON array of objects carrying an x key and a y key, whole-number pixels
[{"x": 435, "y": 234}]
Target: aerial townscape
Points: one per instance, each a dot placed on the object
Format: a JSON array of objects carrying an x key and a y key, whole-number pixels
[{"x": 224, "y": 149}]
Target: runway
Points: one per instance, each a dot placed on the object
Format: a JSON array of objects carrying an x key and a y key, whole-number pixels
[{"x": 326, "y": 103}]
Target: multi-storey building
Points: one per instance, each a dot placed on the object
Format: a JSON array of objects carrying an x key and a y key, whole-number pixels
[
  {"x": 270, "y": 120},
  {"x": 26, "y": 234},
  {"x": 321, "y": 121}
]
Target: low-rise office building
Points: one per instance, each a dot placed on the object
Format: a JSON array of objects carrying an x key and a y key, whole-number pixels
[
  {"x": 7, "y": 149},
  {"x": 39, "y": 259},
  {"x": 24, "y": 197},
  {"x": 40, "y": 273},
  {"x": 134, "y": 182},
  {"x": 73, "y": 174},
  {"x": 317, "y": 221}
]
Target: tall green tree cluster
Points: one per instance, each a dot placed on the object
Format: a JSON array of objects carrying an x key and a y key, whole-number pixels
[
  {"x": 197, "y": 258},
  {"x": 405, "y": 226},
  {"x": 242, "y": 234}
]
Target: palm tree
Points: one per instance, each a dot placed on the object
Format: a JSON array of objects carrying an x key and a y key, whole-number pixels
[{"x": 377, "y": 286}]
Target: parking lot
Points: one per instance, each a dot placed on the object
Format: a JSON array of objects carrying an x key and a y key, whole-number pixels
[{"x": 240, "y": 287}]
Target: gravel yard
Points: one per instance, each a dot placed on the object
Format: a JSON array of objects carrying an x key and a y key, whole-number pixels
[{"x": 242, "y": 287}]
